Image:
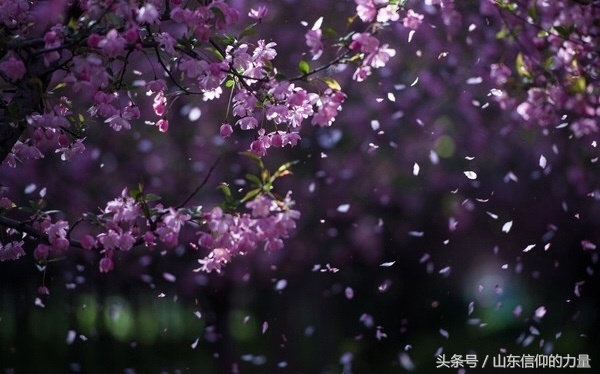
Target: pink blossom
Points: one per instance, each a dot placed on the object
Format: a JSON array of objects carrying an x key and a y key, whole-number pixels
[
  {"x": 361, "y": 73},
  {"x": 247, "y": 123},
  {"x": 88, "y": 242},
  {"x": 259, "y": 146},
  {"x": 72, "y": 150},
  {"x": 380, "y": 58},
  {"x": 364, "y": 42},
  {"x": 366, "y": 10},
  {"x": 412, "y": 20},
  {"x": 313, "y": 41},
  {"x": 150, "y": 240},
  {"x": 5, "y": 203},
  {"x": 26, "y": 151},
  {"x": 43, "y": 290},
  {"x": 106, "y": 265},
  {"x": 261, "y": 206},
  {"x": 11, "y": 251},
  {"x": 264, "y": 51},
  {"x": 160, "y": 104},
  {"x": 388, "y": 13},
  {"x": 132, "y": 35},
  {"x": 259, "y": 13},
  {"x": 14, "y": 68},
  {"x": 53, "y": 39},
  {"x": 226, "y": 130},
  {"x": 148, "y": 14},
  {"x": 113, "y": 44},
  {"x": 163, "y": 125},
  {"x": 166, "y": 42},
  {"x": 94, "y": 40},
  {"x": 156, "y": 86}
]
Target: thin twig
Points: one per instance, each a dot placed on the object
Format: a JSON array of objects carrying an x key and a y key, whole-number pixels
[{"x": 201, "y": 184}]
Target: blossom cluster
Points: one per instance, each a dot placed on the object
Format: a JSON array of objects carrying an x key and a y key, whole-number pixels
[
  {"x": 126, "y": 222},
  {"x": 557, "y": 64},
  {"x": 53, "y": 66},
  {"x": 89, "y": 56},
  {"x": 269, "y": 222}
]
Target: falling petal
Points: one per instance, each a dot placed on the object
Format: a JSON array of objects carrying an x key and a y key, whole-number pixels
[
  {"x": 281, "y": 285},
  {"x": 349, "y": 293},
  {"x": 452, "y": 224},
  {"x": 471, "y": 175},
  {"x": 387, "y": 264},
  {"x": 471, "y": 308},
  {"x": 540, "y": 312},
  {"x": 384, "y": 287},
  {"x": 433, "y": 157},
  {"x": 416, "y": 169},
  {"x": 507, "y": 226},
  {"x": 265, "y": 327},
  {"x": 542, "y": 162},
  {"x": 444, "y": 333},
  {"x": 494, "y": 216},
  {"x": 391, "y": 97},
  {"x": 405, "y": 361},
  {"x": 445, "y": 271},
  {"x": 195, "y": 343},
  {"x": 344, "y": 208},
  {"x": 529, "y": 248},
  {"x": 510, "y": 176},
  {"x": 198, "y": 314},
  {"x": 379, "y": 334},
  {"x": 30, "y": 188},
  {"x": 411, "y": 33},
  {"x": 169, "y": 277},
  {"x": 71, "y": 335},
  {"x": 416, "y": 234},
  {"x": 528, "y": 340}
]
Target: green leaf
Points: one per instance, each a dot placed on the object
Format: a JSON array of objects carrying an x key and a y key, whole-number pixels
[
  {"x": 254, "y": 157},
  {"x": 229, "y": 83},
  {"x": 59, "y": 86},
  {"x": 503, "y": 33},
  {"x": 152, "y": 197},
  {"x": 249, "y": 31},
  {"x": 577, "y": 85},
  {"x": 332, "y": 83},
  {"x": 329, "y": 33},
  {"x": 304, "y": 67},
  {"x": 521, "y": 68},
  {"x": 226, "y": 190},
  {"x": 254, "y": 180},
  {"x": 251, "y": 195},
  {"x": 218, "y": 13},
  {"x": 135, "y": 194}
]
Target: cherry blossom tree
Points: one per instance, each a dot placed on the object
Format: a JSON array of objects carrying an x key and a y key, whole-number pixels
[{"x": 56, "y": 66}]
